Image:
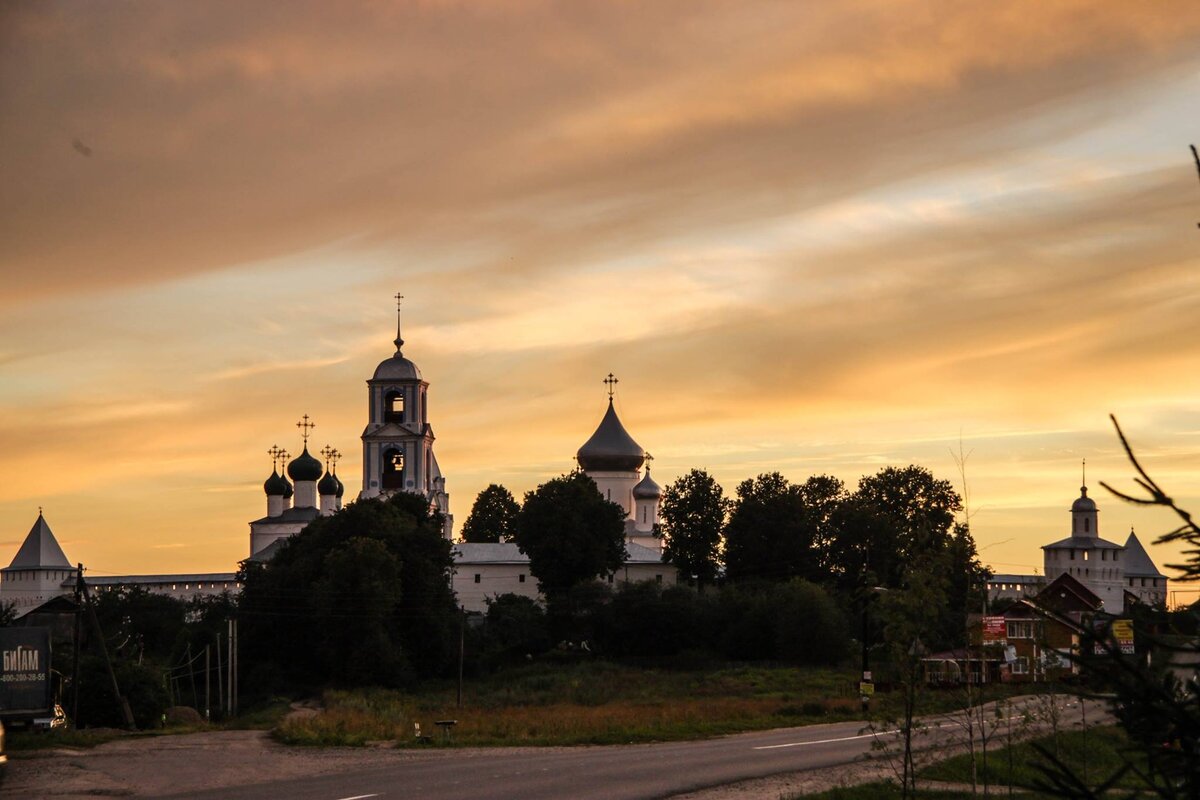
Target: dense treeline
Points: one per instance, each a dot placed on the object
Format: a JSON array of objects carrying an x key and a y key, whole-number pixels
[
  {"x": 850, "y": 543},
  {"x": 780, "y": 572},
  {"x": 795, "y": 622}
]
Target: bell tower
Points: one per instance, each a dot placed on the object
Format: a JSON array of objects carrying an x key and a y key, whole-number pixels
[{"x": 398, "y": 440}]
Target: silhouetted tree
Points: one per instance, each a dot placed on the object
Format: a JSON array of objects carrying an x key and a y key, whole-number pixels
[
  {"x": 570, "y": 533},
  {"x": 362, "y": 596},
  {"x": 493, "y": 517},
  {"x": 693, "y": 513},
  {"x": 893, "y": 518},
  {"x": 779, "y": 530}
]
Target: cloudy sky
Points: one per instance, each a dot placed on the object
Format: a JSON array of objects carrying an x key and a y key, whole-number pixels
[{"x": 806, "y": 236}]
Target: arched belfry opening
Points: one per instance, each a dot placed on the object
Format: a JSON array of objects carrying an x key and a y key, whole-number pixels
[
  {"x": 393, "y": 406},
  {"x": 392, "y": 474}
]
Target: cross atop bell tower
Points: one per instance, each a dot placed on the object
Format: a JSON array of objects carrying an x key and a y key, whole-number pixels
[{"x": 399, "y": 341}]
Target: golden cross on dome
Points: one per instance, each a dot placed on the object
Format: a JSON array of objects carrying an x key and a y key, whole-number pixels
[
  {"x": 611, "y": 382},
  {"x": 274, "y": 452},
  {"x": 329, "y": 453},
  {"x": 334, "y": 456},
  {"x": 284, "y": 455},
  {"x": 305, "y": 426}
]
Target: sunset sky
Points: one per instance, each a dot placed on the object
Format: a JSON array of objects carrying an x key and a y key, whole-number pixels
[{"x": 812, "y": 237}]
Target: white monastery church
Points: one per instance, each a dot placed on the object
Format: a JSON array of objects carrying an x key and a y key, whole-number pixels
[{"x": 397, "y": 456}]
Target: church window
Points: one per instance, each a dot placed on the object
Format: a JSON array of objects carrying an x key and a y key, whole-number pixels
[
  {"x": 393, "y": 469},
  {"x": 658, "y": 578},
  {"x": 1104, "y": 555},
  {"x": 1087, "y": 525},
  {"x": 1115, "y": 554},
  {"x": 521, "y": 578},
  {"x": 393, "y": 407},
  {"x": 1085, "y": 555},
  {"x": 1072, "y": 555},
  {"x": 1143, "y": 581},
  {"x": 477, "y": 577}
]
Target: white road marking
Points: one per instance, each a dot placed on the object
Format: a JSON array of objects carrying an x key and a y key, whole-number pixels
[
  {"x": 825, "y": 741},
  {"x": 358, "y": 797}
]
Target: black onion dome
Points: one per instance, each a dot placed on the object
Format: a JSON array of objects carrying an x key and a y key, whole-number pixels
[
  {"x": 647, "y": 489},
  {"x": 287, "y": 488},
  {"x": 1083, "y": 502},
  {"x": 328, "y": 485},
  {"x": 611, "y": 448},
  {"x": 275, "y": 486},
  {"x": 341, "y": 487},
  {"x": 305, "y": 468}
]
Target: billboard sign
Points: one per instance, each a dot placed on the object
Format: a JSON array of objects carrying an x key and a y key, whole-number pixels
[
  {"x": 994, "y": 630},
  {"x": 24, "y": 670},
  {"x": 1122, "y": 631},
  {"x": 1119, "y": 636}
]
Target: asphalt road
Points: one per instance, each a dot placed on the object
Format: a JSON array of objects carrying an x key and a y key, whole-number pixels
[{"x": 606, "y": 773}]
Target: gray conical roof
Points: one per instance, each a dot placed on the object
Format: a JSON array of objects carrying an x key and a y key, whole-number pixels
[
  {"x": 611, "y": 448},
  {"x": 1137, "y": 560},
  {"x": 40, "y": 550}
]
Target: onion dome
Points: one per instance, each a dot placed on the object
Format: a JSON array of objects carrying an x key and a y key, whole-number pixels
[
  {"x": 287, "y": 488},
  {"x": 611, "y": 448},
  {"x": 328, "y": 485},
  {"x": 341, "y": 487},
  {"x": 646, "y": 488},
  {"x": 276, "y": 485},
  {"x": 1083, "y": 502},
  {"x": 305, "y": 468}
]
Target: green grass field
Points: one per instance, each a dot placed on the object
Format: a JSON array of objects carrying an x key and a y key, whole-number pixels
[{"x": 1096, "y": 754}]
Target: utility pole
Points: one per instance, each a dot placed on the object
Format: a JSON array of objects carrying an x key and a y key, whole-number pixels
[
  {"x": 75, "y": 648},
  {"x": 233, "y": 668},
  {"x": 462, "y": 625},
  {"x": 207, "y": 684},
  {"x": 220, "y": 677},
  {"x": 122, "y": 701},
  {"x": 192, "y": 675},
  {"x": 229, "y": 668}
]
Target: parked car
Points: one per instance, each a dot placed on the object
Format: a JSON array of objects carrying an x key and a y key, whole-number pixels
[{"x": 55, "y": 718}]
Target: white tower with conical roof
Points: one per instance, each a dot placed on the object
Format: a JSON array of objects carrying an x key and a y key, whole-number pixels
[{"x": 39, "y": 572}]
